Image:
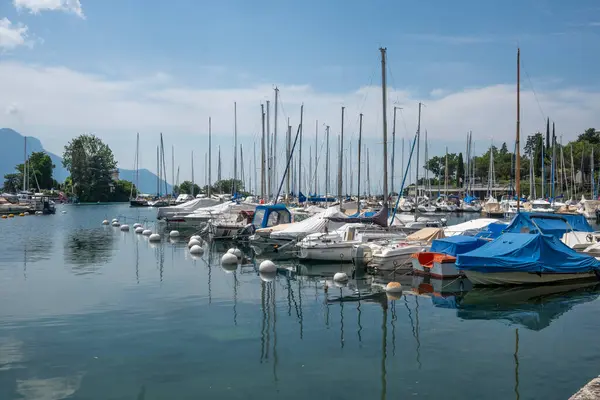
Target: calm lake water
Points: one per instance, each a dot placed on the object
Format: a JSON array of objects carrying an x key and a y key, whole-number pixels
[{"x": 90, "y": 312}]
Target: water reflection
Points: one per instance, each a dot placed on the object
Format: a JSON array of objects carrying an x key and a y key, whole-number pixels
[{"x": 87, "y": 249}]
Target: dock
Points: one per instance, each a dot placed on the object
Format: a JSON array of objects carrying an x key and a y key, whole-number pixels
[{"x": 591, "y": 391}]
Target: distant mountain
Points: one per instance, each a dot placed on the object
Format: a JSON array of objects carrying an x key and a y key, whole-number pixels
[{"x": 12, "y": 151}]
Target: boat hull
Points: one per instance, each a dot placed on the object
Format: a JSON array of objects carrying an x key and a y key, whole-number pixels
[
  {"x": 522, "y": 278},
  {"x": 331, "y": 253},
  {"x": 138, "y": 203}
]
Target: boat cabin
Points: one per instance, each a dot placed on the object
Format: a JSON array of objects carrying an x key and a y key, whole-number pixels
[{"x": 267, "y": 216}]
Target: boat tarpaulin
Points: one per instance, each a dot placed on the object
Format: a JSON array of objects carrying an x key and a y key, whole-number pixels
[
  {"x": 492, "y": 231},
  {"x": 380, "y": 218},
  {"x": 456, "y": 245},
  {"x": 517, "y": 252},
  {"x": 426, "y": 235},
  {"x": 549, "y": 224},
  {"x": 317, "y": 223}
]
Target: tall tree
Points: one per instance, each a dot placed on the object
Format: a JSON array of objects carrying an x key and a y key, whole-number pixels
[
  {"x": 186, "y": 187},
  {"x": 590, "y": 135},
  {"x": 12, "y": 183},
  {"x": 91, "y": 164},
  {"x": 39, "y": 169}
]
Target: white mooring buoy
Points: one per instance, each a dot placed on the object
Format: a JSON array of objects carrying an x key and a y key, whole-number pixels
[
  {"x": 137, "y": 225},
  {"x": 267, "y": 266},
  {"x": 194, "y": 242},
  {"x": 174, "y": 234},
  {"x": 229, "y": 258},
  {"x": 105, "y": 222},
  {"x": 146, "y": 232},
  {"x": 196, "y": 249},
  {"x": 116, "y": 224},
  {"x": 155, "y": 237},
  {"x": 236, "y": 252},
  {"x": 267, "y": 276},
  {"x": 115, "y": 220},
  {"x": 125, "y": 228},
  {"x": 196, "y": 237},
  {"x": 139, "y": 229},
  {"x": 340, "y": 277}
]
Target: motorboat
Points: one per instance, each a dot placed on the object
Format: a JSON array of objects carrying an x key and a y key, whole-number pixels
[
  {"x": 181, "y": 209},
  {"x": 526, "y": 259},
  {"x": 492, "y": 208},
  {"x": 201, "y": 216},
  {"x": 471, "y": 206},
  {"x": 469, "y": 228},
  {"x": 184, "y": 198},
  {"x": 393, "y": 254},
  {"x": 541, "y": 205},
  {"x": 227, "y": 225},
  {"x": 426, "y": 207},
  {"x": 37, "y": 202},
  {"x": 337, "y": 245},
  {"x": 440, "y": 261},
  {"x": 446, "y": 206}
]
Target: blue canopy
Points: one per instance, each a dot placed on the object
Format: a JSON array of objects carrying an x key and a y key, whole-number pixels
[
  {"x": 516, "y": 252},
  {"x": 301, "y": 197},
  {"x": 549, "y": 224},
  {"x": 271, "y": 215},
  {"x": 492, "y": 231},
  {"x": 469, "y": 199},
  {"x": 455, "y": 245}
]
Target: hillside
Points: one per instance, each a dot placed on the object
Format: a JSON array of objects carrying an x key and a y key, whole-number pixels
[{"x": 11, "y": 154}]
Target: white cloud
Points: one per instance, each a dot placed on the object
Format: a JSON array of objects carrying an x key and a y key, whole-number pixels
[
  {"x": 35, "y": 6},
  {"x": 12, "y": 35},
  {"x": 56, "y": 103}
]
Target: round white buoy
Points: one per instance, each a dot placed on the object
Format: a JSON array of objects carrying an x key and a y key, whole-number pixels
[
  {"x": 340, "y": 277},
  {"x": 146, "y": 232},
  {"x": 196, "y": 249},
  {"x": 194, "y": 242},
  {"x": 267, "y": 276},
  {"x": 236, "y": 252},
  {"x": 115, "y": 220},
  {"x": 393, "y": 287},
  {"x": 174, "y": 234},
  {"x": 40, "y": 213},
  {"x": 63, "y": 211},
  {"x": 105, "y": 222},
  {"x": 267, "y": 266},
  {"x": 155, "y": 237},
  {"x": 116, "y": 223},
  {"x": 125, "y": 228},
  {"x": 229, "y": 258},
  {"x": 26, "y": 213},
  {"x": 139, "y": 229},
  {"x": 137, "y": 225},
  {"x": 229, "y": 267}
]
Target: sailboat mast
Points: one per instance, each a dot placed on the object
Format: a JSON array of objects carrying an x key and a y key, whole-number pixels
[
  {"x": 309, "y": 165},
  {"x": 384, "y": 108},
  {"x": 316, "y": 157},
  {"x": 518, "y": 138},
  {"x": 25, "y": 164},
  {"x": 368, "y": 175},
  {"x": 193, "y": 183},
  {"x": 288, "y": 136},
  {"x": 172, "y": 167},
  {"x": 275, "y": 136},
  {"x": 573, "y": 190},
  {"x": 219, "y": 169},
  {"x": 157, "y": 174},
  {"x": 327, "y": 164},
  {"x": 340, "y": 161},
  {"x": 418, "y": 151},
  {"x": 446, "y": 175},
  {"x": 242, "y": 175},
  {"x": 209, "y": 154},
  {"x": 268, "y": 144},
  {"x": 393, "y": 150},
  {"x": 359, "y": 148},
  {"x": 262, "y": 155},
  {"x": 592, "y": 174},
  {"x": 300, "y": 152},
  {"x": 235, "y": 146},
  {"x": 543, "y": 172},
  {"x": 255, "y": 172}
]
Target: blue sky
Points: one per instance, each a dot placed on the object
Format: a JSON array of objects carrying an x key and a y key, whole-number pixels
[{"x": 162, "y": 60}]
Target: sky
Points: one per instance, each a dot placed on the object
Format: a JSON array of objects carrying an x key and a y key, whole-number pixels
[{"x": 115, "y": 68}]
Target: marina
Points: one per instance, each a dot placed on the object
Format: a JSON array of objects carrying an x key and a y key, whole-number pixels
[{"x": 103, "y": 304}]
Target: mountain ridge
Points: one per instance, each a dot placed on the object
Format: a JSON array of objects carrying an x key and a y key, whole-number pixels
[{"x": 9, "y": 158}]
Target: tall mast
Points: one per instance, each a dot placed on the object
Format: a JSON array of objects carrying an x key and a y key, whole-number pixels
[
  {"x": 554, "y": 165},
  {"x": 518, "y": 139},
  {"x": 359, "y": 144},
  {"x": 172, "y": 167},
  {"x": 300, "y": 153},
  {"x": 418, "y": 151},
  {"x": 25, "y": 165},
  {"x": 316, "y": 157},
  {"x": 268, "y": 144},
  {"x": 349, "y": 168},
  {"x": 193, "y": 184},
  {"x": 219, "y": 170},
  {"x": 209, "y": 154},
  {"x": 235, "y": 145},
  {"x": 384, "y": 108},
  {"x": 393, "y": 150},
  {"x": 275, "y": 149},
  {"x": 157, "y": 174},
  {"x": 592, "y": 174},
  {"x": 368, "y": 175},
  {"x": 242, "y": 175},
  {"x": 446, "y": 175},
  {"x": 262, "y": 155},
  {"x": 341, "y": 161},
  {"x": 543, "y": 172},
  {"x": 426, "y": 186},
  {"x": 309, "y": 166},
  {"x": 255, "y": 172},
  {"x": 573, "y": 190},
  {"x": 288, "y": 135},
  {"x": 326, "y": 163}
]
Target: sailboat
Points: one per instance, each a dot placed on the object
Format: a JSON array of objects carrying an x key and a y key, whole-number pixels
[
  {"x": 492, "y": 207},
  {"x": 445, "y": 205},
  {"x": 137, "y": 201}
]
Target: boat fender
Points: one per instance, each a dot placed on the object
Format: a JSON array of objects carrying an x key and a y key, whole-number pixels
[{"x": 589, "y": 238}]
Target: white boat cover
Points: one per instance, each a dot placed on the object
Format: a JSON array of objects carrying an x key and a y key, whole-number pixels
[
  {"x": 474, "y": 225},
  {"x": 190, "y": 206},
  {"x": 426, "y": 235},
  {"x": 316, "y": 223}
]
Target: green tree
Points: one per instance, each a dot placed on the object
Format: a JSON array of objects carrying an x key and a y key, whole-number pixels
[
  {"x": 12, "y": 182},
  {"x": 503, "y": 149},
  {"x": 91, "y": 164},
  {"x": 460, "y": 170},
  {"x": 121, "y": 191},
  {"x": 226, "y": 186},
  {"x": 186, "y": 187},
  {"x": 590, "y": 135},
  {"x": 39, "y": 169},
  {"x": 436, "y": 165}
]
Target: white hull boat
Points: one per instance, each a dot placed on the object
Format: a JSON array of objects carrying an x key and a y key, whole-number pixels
[{"x": 523, "y": 278}]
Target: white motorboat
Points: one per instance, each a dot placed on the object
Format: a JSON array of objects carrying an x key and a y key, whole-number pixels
[
  {"x": 473, "y": 206},
  {"x": 426, "y": 208},
  {"x": 201, "y": 216},
  {"x": 227, "y": 225},
  {"x": 172, "y": 212},
  {"x": 469, "y": 228},
  {"x": 446, "y": 206},
  {"x": 541, "y": 205},
  {"x": 337, "y": 245}
]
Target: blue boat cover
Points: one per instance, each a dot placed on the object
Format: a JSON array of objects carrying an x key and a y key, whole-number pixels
[
  {"x": 455, "y": 245},
  {"x": 516, "y": 252},
  {"x": 492, "y": 231},
  {"x": 549, "y": 224}
]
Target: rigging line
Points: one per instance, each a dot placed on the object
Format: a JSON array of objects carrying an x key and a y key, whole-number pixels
[{"x": 534, "y": 93}]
